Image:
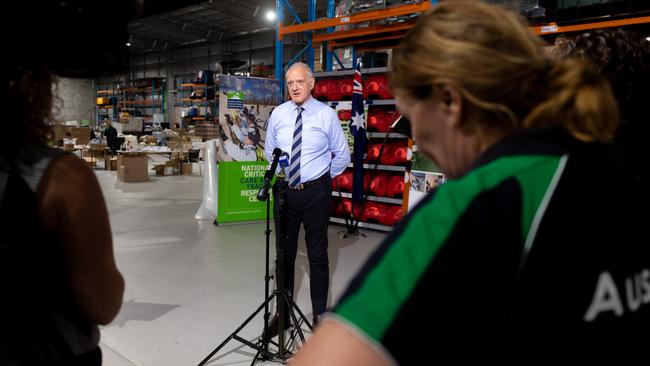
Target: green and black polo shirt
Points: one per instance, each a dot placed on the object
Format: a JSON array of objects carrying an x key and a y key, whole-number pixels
[{"x": 544, "y": 233}]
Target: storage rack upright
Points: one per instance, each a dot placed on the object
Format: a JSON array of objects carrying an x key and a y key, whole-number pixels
[
  {"x": 207, "y": 107},
  {"x": 106, "y": 89},
  {"x": 143, "y": 98}
]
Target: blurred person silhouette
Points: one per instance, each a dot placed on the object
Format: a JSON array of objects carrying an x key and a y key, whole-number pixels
[
  {"x": 623, "y": 56},
  {"x": 110, "y": 132},
  {"x": 58, "y": 275},
  {"x": 525, "y": 250}
]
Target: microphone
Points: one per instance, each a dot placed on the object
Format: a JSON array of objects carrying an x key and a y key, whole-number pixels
[
  {"x": 263, "y": 193},
  {"x": 284, "y": 162}
]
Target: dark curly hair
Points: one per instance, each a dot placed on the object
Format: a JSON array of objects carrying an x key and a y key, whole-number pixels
[
  {"x": 26, "y": 102},
  {"x": 623, "y": 56}
]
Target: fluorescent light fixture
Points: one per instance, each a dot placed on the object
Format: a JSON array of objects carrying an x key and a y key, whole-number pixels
[{"x": 270, "y": 15}]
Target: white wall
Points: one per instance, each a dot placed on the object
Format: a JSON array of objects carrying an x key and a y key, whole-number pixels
[{"x": 74, "y": 99}]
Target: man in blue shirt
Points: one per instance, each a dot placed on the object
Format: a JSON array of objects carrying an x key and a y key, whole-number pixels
[{"x": 310, "y": 132}]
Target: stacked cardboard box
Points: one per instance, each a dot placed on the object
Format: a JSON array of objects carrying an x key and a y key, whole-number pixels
[
  {"x": 110, "y": 162},
  {"x": 132, "y": 168},
  {"x": 186, "y": 168},
  {"x": 171, "y": 167},
  {"x": 82, "y": 134}
]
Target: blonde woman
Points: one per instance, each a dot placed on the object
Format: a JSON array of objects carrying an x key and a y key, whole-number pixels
[{"x": 526, "y": 247}]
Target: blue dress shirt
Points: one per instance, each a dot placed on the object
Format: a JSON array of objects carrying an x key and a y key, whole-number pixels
[{"x": 324, "y": 147}]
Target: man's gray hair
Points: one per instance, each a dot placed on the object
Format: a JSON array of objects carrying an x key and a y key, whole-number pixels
[{"x": 310, "y": 73}]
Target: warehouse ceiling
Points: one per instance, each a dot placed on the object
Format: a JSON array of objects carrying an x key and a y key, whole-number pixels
[{"x": 181, "y": 24}]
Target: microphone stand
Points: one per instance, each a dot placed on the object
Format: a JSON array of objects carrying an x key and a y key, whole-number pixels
[
  {"x": 285, "y": 300},
  {"x": 261, "y": 347}
]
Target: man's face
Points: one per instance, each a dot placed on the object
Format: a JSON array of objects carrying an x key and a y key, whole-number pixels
[{"x": 299, "y": 84}]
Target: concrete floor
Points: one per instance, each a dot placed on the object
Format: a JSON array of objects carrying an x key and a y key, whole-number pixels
[{"x": 189, "y": 283}]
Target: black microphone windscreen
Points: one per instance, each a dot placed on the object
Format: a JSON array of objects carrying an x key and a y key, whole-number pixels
[{"x": 274, "y": 164}]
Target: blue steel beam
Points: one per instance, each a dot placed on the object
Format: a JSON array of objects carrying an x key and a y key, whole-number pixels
[
  {"x": 336, "y": 57},
  {"x": 296, "y": 57},
  {"x": 279, "y": 15},
  {"x": 293, "y": 11},
  {"x": 328, "y": 53},
  {"x": 311, "y": 16}
]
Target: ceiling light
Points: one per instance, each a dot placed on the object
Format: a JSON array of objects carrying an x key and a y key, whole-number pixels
[
  {"x": 647, "y": 39},
  {"x": 128, "y": 44},
  {"x": 270, "y": 15}
]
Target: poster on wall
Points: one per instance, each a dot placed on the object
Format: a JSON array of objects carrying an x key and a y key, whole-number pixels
[
  {"x": 239, "y": 183},
  {"x": 421, "y": 182},
  {"x": 245, "y": 105}
]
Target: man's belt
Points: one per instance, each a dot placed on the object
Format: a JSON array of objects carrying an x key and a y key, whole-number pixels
[{"x": 302, "y": 186}]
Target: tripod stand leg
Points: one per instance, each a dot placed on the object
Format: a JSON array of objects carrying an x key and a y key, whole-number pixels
[
  {"x": 292, "y": 306},
  {"x": 233, "y": 335}
]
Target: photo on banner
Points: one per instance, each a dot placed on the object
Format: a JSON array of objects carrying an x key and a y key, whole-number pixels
[{"x": 245, "y": 105}]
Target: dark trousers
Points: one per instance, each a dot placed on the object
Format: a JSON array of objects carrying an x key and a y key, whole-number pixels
[{"x": 310, "y": 207}]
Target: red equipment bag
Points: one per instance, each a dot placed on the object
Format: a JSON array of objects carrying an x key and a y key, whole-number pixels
[
  {"x": 345, "y": 89},
  {"x": 394, "y": 153},
  {"x": 378, "y": 184},
  {"x": 394, "y": 215},
  {"x": 344, "y": 114},
  {"x": 376, "y": 87},
  {"x": 379, "y": 120},
  {"x": 346, "y": 208},
  {"x": 344, "y": 181},
  {"x": 395, "y": 186},
  {"x": 372, "y": 152},
  {"x": 327, "y": 89}
]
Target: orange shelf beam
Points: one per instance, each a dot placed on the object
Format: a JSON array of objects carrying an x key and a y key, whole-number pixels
[
  {"x": 361, "y": 32},
  {"x": 367, "y": 49},
  {"x": 554, "y": 28},
  {"x": 354, "y": 18},
  {"x": 367, "y": 40}
]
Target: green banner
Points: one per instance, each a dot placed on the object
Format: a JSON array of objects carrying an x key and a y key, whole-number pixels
[{"x": 239, "y": 182}]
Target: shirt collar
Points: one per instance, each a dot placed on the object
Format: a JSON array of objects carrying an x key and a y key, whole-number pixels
[
  {"x": 532, "y": 141},
  {"x": 305, "y": 106}
]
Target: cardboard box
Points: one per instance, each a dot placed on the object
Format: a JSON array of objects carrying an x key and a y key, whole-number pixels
[
  {"x": 132, "y": 168},
  {"x": 91, "y": 161},
  {"x": 186, "y": 168},
  {"x": 160, "y": 170},
  {"x": 110, "y": 162},
  {"x": 98, "y": 147},
  {"x": 178, "y": 155},
  {"x": 172, "y": 167},
  {"x": 82, "y": 134}
]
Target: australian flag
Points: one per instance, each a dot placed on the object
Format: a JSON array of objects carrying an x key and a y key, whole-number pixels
[{"x": 358, "y": 130}]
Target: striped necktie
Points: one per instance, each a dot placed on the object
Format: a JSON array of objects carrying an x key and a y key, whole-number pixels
[{"x": 294, "y": 168}]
